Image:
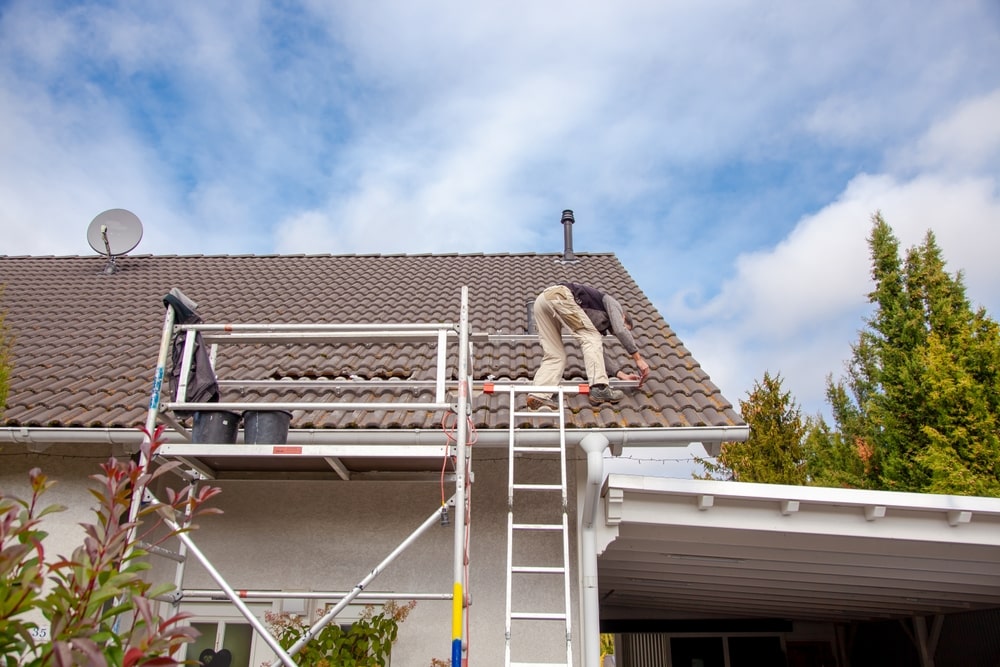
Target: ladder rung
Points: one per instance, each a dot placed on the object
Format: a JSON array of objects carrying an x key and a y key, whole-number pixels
[
  {"x": 538, "y": 487},
  {"x": 538, "y": 449},
  {"x": 537, "y": 526},
  {"x": 537, "y": 569},
  {"x": 538, "y": 615}
]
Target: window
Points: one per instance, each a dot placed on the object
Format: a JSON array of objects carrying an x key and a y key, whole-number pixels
[
  {"x": 227, "y": 639},
  {"x": 697, "y": 652},
  {"x": 708, "y": 650},
  {"x": 222, "y": 644},
  {"x": 756, "y": 652}
]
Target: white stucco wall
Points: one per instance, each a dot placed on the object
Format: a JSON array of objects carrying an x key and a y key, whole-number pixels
[
  {"x": 327, "y": 536},
  {"x": 70, "y": 469}
]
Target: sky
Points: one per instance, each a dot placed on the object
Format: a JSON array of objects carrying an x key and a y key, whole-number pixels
[{"x": 731, "y": 153}]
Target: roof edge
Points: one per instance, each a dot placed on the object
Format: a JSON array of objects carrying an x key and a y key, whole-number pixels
[
  {"x": 373, "y": 255},
  {"x": 817, "y": 495},
  {"x": 680, "y": 436}
]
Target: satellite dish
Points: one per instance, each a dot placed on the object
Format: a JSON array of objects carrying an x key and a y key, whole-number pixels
[{"x": 114, "y": 233}]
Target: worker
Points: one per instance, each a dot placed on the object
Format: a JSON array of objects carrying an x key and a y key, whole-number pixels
[{"x": 589, "y": 314}]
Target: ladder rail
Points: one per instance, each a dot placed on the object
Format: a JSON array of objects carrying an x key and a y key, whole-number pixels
[
  {"x": 567, "y": 597},
  {"x": 509, "y": 574}
]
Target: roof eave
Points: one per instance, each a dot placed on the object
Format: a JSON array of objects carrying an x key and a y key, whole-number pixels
[{"x": 131, "y": 438}]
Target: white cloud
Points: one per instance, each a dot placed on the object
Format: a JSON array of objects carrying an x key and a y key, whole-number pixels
[
  {"x": 306, "y": 232},
  {"x": 795, "y": 309},
  {"x": 54, "y": 181},
  {"x": 967, "y": 140},
  {"x": 680, "y": 133}
]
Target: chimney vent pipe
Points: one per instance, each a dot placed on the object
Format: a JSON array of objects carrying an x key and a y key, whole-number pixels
[{"x": 567, "y": 223}]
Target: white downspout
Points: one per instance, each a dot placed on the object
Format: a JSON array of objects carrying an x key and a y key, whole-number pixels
[{"x": 594, "y": 445}]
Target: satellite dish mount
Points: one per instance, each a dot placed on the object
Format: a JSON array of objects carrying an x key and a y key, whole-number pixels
[{"x": 114, "y": 233}]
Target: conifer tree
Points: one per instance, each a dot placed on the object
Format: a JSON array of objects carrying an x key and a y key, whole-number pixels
[
  {"x": 773, "y": 452},
  {"x": 838, "y": 458},
  {"x": 922, "y": 394}
]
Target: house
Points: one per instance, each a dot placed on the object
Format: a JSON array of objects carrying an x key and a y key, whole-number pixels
[{"x": 684, "y": 572}]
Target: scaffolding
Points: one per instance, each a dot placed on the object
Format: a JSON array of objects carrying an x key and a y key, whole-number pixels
[{"x": 198, "y": 457}]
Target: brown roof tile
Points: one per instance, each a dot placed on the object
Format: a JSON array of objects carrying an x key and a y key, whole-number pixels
[{"x": 85, "y": 342}]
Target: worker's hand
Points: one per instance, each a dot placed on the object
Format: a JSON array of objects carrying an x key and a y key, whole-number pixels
[
  {"x": 622, "y": 375},
  {"x": 643, "y": 370}
]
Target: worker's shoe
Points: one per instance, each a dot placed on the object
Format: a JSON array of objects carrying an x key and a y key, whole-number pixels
[
  {"x": 541, "y": 403},
  {"x": 602, "y": 393}
]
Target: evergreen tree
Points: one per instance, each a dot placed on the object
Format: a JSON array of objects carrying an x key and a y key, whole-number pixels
[
  {"x": 921, "y": 399},
  {"x": 773, "y": 452},
  {"x": 837, "y": 458}
]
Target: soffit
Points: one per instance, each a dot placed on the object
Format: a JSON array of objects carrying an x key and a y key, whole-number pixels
[{"x": 725, "y": 550}]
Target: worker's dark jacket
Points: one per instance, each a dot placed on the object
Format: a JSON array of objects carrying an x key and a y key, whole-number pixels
[{"x": 605, "y": 312}]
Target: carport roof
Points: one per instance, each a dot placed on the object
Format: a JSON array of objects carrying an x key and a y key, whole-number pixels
[{"x": 688, "y": 549}]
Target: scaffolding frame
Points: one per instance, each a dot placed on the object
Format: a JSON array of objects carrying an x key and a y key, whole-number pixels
[{"x": 215, "y": 335}]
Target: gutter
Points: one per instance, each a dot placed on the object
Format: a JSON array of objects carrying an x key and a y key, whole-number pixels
[
  {"x": 617, "y": 438},
  {"x": 47, "y": 435}
]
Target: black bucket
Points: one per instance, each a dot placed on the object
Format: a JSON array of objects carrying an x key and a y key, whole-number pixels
[
  {"x": 218, "y": 427},
  {"x": 266, "y": 427}
]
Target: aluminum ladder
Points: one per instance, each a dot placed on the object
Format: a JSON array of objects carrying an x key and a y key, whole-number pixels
[{"x": 536, "y": 514}]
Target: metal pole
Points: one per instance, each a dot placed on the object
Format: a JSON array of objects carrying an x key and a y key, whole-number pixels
[
  {"x": 442, "y": 366},
  {"x": 161, "y": 365},
  {"x": 139, "y": 492},
  {"x": 404, "y": 329},
  {"x": 458, "y": 602},
  {"x": 154, "y": 403},
  {"x": 186, "y": 362},
  {"x": 210, "y": 594},
  {"x": 182, "y": 549}
]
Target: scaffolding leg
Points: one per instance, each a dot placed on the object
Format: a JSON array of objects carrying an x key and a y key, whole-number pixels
[
  {"x": 462, "y": 416},
  {"x": 161, "y": 367}
]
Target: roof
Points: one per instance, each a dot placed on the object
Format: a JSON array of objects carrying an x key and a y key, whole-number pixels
[
  {"x": 85, "y": 342},
  {"x": 709, "y": 549}
]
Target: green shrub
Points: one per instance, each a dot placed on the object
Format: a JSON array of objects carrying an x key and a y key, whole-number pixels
[
  {"x": 99, "y": 609},
  {"x": 367, "y": 643}
]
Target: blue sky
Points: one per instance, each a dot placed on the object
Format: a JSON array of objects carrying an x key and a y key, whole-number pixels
[{"x": 731, "y": 153}]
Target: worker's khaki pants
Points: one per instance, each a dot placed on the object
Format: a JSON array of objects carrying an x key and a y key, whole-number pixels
[{"x": 554, "y": 308}]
